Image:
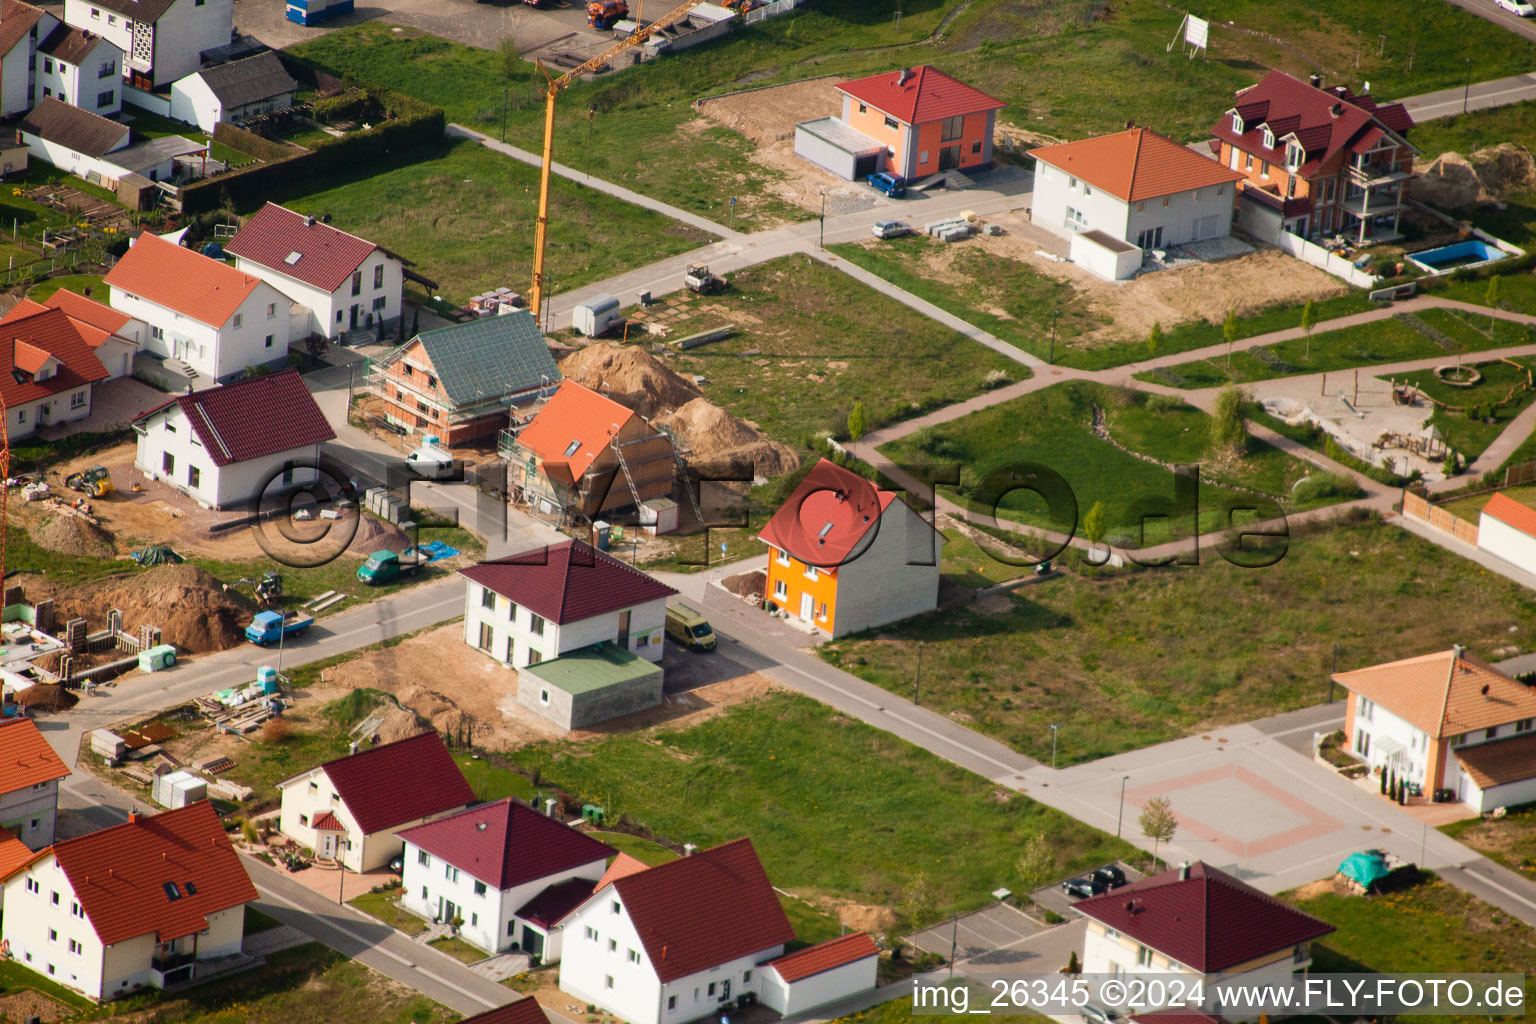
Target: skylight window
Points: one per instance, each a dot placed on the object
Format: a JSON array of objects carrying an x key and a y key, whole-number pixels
[
  {"x": 570, "y": 449},
  {"x": 171, "y": 892},
  {"x": 191, "y": 888},
  {"x": 824, "y": 531},
  {"x": 293, "y": 258}
]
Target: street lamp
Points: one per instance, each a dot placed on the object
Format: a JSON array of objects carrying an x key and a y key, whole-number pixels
[
  {"x": 505, "y": 96},
  {"x": 1054, "y": 727},
  {"x": 954, "y": 942},
  {"x": 1333, "y": 672},
  {"x": 821, "y": 241},
  {"x": 1055, "y": 315},
  {"x": 1120, "y": 818},
  {"x": 1466, "y": 92},
  {"x": 917, "y": 679}
]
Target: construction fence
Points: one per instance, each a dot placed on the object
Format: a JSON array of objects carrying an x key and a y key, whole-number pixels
[{"x": 772, "y": 10}]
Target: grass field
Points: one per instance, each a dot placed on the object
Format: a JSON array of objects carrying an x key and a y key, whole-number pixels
[
  {"x": 1469, "y": 507},
  {"x": 385, "y": 905},
  {"x": 640, "y": 849},
  {"x": 464, "y": 214},
  {"x": 73, "y": 283},
  {"x": 1053, "y": 427},
  {"x": 1465, "y": 133},
  {"x": 964, "y": 562},
  {"x": 1392, "y": 340},
  {"x": 148, "y": 125},
  {"x": 1137, "y": 659},
  {"x": 899, "y": 1011},
  {"x": 861, "y": 825},
  {"x": 1510, "y": 840},
  {"x": 1468, "y": 436}
]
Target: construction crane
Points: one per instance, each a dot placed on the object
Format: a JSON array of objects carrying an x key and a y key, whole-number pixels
[
  {"x": 5, "y": 485},
  {"x": 552, "y": 90}
]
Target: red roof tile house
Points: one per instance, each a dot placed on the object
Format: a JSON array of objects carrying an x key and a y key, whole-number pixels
[
  {"x": 676, "y": 942},
  {"x": 342, "y": 282},
  {"x": 363, "y": 801},
  {"x": 22, "y": 27},
  {"x": 820, "y": 974},
  {"x": 525, "y": 1011},
  {"x": 507, "y": 871},
  {"x": 1197, "y": 921},
  {"x": 230, "y": 445},
  {"x": 29, "y": 783},
  {"x": 1445, "y": 721},
  {"x": 51, "y": 374},
  {"x": 155, "y": 901},
  {"x": 912, "y": 122},
  {"x": 1316, "y": 161},
  {"x": 112, "y": 335},
  {"x": 213, "y": 319},
  {"x": 584, "y": 630},
  {"x": 1507, "y": 529},
  {"x": 1115, "y": 195},
  {"x": 847, "y": 556}
]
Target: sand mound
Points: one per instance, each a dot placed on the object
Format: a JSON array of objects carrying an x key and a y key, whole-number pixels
[
  {"x": 71, "y": 535},
  {"x": 188, "y": 604},
  {"x": 1458, "y": 181},
  {"x": 748, "y": 584},
  {"x": 630, "y": 376},
  {"x": 446, "y": 716},
  {"x": 400, "y": 724},
  {"x": 720, "y": 441}
]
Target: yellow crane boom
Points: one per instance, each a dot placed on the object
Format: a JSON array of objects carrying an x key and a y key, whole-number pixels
[{"x": 552, "y": 90}]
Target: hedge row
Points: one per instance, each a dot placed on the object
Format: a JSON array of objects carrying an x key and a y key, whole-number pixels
[{"x": 249, "y": 142}]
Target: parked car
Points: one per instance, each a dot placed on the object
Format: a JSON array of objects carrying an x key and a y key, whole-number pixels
[
  {"x": 890, "y": 228},
  {"x": 1083, "y": 887},
  {"x": 1110, "y": 875},
  {"x": 1519, "y": 7},
  {"x": 891, "y": 184},
  {"x": 1098, "y": 1015}
]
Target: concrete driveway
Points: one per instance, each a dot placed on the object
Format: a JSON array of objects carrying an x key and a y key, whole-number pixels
[{"x": 560, "y": 25}]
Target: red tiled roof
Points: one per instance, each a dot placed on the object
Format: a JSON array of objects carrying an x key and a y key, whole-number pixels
[
  {"x": 700, "y": 911},
  {"x": 327, "y": 256},
  {"x": 551, "y": 905},
  {"x": 525, "y": 1011},
  {"x": 1511, "y": 513},
  {"x": 928, "y": 95},
  {"x": 837, "y": 952},
  {"x": 326, "y": 822},
  {"x": 574, "y": 415},
  {"x": 623, "y": 865},
  {"x": 828, "y": 516},
  {"x": 1136, "y": 164},
  {"x": 82, "y": 309},
  {"x": 50, "y": 332},
  {"x": 13, "y": 854},
  {"x": 252, "y": 418},
  {"x": 1324, "y": 121},
  {"x": 1176, "y": 1016},
  {"x": 123, "y": 875},
  {"x": 398, "y": 782},
  {"x": 1445, "y": 694},
  {"x": 507, "y": 843},
  {"x": 1207, "y": 922},
  {"x": 1499, "y": 762},
  {"x": 16, "y": 20},
  {"x": 567, "y": 582},
  {"x": 25, "y": 757},
  {"x": 182, "y": 280}
]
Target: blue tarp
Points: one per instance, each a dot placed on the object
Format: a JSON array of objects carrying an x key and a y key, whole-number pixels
[{"x": 435, "y": 551}]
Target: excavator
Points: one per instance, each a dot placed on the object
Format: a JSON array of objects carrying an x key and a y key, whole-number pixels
[
  {"x": 267, "y": 589},
  {"x": 95, "y": 482}
]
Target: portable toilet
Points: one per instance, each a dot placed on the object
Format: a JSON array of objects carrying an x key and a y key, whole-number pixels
[
  {"x": 157, "y": 658},
  {"x": 595, "y": 316},
  {"x": 601, "y": 532},
  {"x": 266, "y": 675}
]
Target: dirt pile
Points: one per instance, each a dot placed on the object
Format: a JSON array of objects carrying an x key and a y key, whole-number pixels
[
  {"x": 400, "y": 724},
  {"x": 748, "y": 585},
  {"x": 723, "y": 442},
  {"x": 769, "y": 115},
  {"x": 446, "y": 716},
  {"x": 188, "y": 605},
  {"x": 71, "y": 535},
  {"x": 630, "y": 376},
  {"x": 1457, "y": 181}
]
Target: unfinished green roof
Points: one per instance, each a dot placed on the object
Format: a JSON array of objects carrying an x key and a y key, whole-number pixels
[
  {"x": 593, "y": 668},
  {"x": 489, "y": 358}
]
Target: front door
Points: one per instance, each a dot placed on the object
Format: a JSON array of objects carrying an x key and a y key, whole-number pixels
[
  {"x": 949, "y": 157},
  {"x": 533, "y": 942},
  {"x": 623, "y": 640},
  {"x": 725, "y": 990},
  {"x": 353, "y": 324},
  {"x": 449, "y": 911},
  {"x": 805, "y": 607},
  {"x": 327, "y": 846}
]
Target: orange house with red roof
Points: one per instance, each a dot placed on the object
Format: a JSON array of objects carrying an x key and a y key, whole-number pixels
[
  {"x": 911, "y": 122},
  {"x": 848, "y": 556}
]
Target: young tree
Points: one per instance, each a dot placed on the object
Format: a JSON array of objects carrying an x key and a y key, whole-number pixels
[
  {"x": 856, "y": 422},
  {"x": 1036, "y": 864},
  {"x": 1227, "y": 429},
  {"x": 1308, "y": 321},
  {"x": 1229, "y": 331},
  {"x": 1494, "y": 291},
  {"x": 1074, "y": 966},
  {"x": 508, "y": 60},
  {"x": 1155, "y": 340},
  {"x": 1093, "y": 525},
  {"x": 915, "y": 903},
  {"x": 1158, "y": 822}
]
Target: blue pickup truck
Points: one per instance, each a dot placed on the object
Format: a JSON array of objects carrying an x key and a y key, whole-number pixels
[{"x": 270, "y": 627}]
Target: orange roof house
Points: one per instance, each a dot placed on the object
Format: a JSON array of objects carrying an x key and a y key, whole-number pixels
[
  {"x": 566, "y": 460},
  {"x": 1446, "y": 721},
  {"x": 911, "y": 122},
  {"x": 1507, "y": 529},
  {"x": 848, "y": 556},
  {"x": 1133, "y": 187},
  {"x": 29, "y": 783},
  {"x": 112, "y": 335}
]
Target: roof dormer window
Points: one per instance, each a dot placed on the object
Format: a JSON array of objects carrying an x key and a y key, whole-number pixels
[
  {"x": 1237, "y": 122},
  {"x": 1269, "y": 138},
  {"x": 1293, "y": 155}
]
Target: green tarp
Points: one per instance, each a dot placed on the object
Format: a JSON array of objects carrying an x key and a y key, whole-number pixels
[
  {"x": 1367, "y": 868},
  {"x": 157, "y": 554}
]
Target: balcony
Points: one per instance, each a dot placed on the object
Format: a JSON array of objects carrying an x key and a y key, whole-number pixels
[
  {"x": 1371, "y": 174},
  {"x": 175, "y": 969},
  {"x": 1372, "y": 204}
]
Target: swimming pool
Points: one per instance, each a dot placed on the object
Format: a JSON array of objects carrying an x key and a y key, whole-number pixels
[{"x": 1447, "y": 258}]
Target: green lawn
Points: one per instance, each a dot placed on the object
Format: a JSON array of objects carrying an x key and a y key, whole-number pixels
[
  {"x": 966, "y": 563},
  {"x": 1469, "y": 507},
  {"x": 385, "y": 905},
  {"x": 899, "y": 1011},
  {"x": 458, "y": 949},
  {"x": 148, "y": 125},
  {"x": 640, "y": 849},
  {"x": 493, "y": 783},
  {"x": 1468, "y": 436},
  {"x": 1510, "y": 840},
  {"x": 860, "y": 825},
  {"x": 1431, "y": 927},
  {"x": 1128, "y": 661},
  {"x": 1465, "y": 133},
  {"x": 464, "y": 214},
  {"x": 1053, "y": 427},
  {"x": 71, "y": 283},
  {"x": 256, "y": 921},
  {"x": 14, "y": 977},
  {"x": 1395, "y": 339}
]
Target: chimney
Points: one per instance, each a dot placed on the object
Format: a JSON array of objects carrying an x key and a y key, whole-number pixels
[
  {"x": 1315, "y": 81},
  {"x": 352, "y": 747},
  {"x": 549, "y": 806},
  {"x": 1184, "y": 872},
  {"x": 133, "y": 817},
  {"x": 309, "y": 221},
  {"x": 904, "y": 77},
  {"x": 1336, "y": 110},
  {"x": 689, "y": 849},
  {"x": 1131, "y": 123}
]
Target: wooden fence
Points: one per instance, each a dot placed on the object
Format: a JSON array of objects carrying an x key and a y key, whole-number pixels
[{"x": 1415, "y": 506}]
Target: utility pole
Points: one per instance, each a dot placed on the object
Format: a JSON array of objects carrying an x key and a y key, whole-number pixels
[
  {"x": 1466, "y": 92},
  {"x": 917, "y": 679},
  {"x": 1054, "y": 727},
  {"x": 954, "y": 942},
  {"x": 1120, "y": 818},
  {"x": 821, "y": 242},
  {"x": 1055, "y": 315}
]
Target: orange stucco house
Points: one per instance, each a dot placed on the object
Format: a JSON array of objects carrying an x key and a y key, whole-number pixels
[{"x": 911, "y": 123}]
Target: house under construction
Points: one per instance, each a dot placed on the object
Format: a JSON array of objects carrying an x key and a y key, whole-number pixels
[{"x": 583, "y": 455}]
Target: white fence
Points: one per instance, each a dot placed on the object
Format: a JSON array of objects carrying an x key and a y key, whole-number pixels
[
  {"x": 1316, "y": 255},
  {"x": 772, "y": 10}
]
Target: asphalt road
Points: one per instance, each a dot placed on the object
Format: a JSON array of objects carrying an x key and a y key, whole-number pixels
[{"x": 1476, "y": 96}]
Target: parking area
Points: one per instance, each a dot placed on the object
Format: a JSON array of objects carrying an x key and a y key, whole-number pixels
[
  {"x": 555, "y": 26},
  {"x": 1051, "y": 897},
  {"x": 977, "y": 934}
]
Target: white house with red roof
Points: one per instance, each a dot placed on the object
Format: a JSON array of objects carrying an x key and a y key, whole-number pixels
[
  {"x": 821, "y": 974},
  {"x": 1196, "y": 921},
  {"x": 29, "y": 783},
  {"x": 231, "y": 444},
  {"x": 47, "y": 371},
  {"x": 342, "y": 281},
  {"x": 484, "y": 866},
  {"x": 676, "y": 942},
  {"x": 112, "y": 335},
  {"x": 910, "y": 122},
  {"x": 155, "y": 901},
  {"x": 199, "y": 312},
  {"x": 355, "y": 807},
  {"x": 1507, "y": 529},
  {"x": 847, "y": 556},
  {"x": 1134, "y": 188}
]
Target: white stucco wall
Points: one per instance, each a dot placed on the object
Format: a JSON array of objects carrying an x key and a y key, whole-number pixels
[
  {"x": 111, "y": 26},
  {"x": 219, "y": 352},
  {"x": 880, "y": 585},
  {"x": 184, "y": 31},
  {"x": 168, "y": 432},
  {"x": 1106, "y": 263},
  {"x": 819, "y": 989},
  {"x": 1183, "y": 216},
  {"x": 647, "y": 626},
  {"x": 1504, "y": 541},
  {"x": 83, "y": 85},
  {"x": 39, "y": 926},
  {"x": 68, "y": 160},
  {"x": 331, "y": 312},
  {"x": 192, "y": 102},
  {"x": 1376, "y": 724},
  {"x": 363, "y": 852},
  {"x": 29, "y": 814}
]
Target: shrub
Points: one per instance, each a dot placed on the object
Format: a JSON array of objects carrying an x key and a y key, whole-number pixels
[
  {"x": 276, "y": 730},
  {"x": 247, "y": 826},
  {"x": 1325, "y": 485},
  {"x": 1164, "y": 403}
]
